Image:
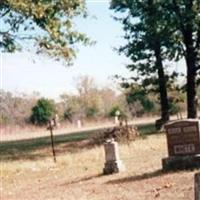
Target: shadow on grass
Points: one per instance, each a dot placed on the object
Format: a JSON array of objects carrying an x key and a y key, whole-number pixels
[
  {"x": 147, "y": 129},
  {"x": 37, "y": 148},
  {"x": 138, "y": 177},
  {"x": 82, "y": 179}
]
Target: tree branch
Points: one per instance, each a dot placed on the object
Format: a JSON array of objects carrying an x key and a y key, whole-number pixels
[
  {"x": 176, "y": 8},
  {"x": 5, "y": 13}
]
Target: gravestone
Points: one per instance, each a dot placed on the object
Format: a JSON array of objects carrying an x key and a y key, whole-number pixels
[
  {"x": 113, "y": 163},
  {"x": 183, "y": 142},
  {"x": 117, "y": 114},
  {"x": 197, "y": 186},
  {"x": 79, "y": 124}
]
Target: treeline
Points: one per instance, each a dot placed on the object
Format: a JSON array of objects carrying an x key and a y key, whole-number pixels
[{"x": 89, "y": 103}]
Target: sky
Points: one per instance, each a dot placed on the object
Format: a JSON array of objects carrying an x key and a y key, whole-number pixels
[{"x": 27, "y": 72}]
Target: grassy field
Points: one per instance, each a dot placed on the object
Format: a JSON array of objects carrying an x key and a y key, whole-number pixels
[
  {"x": 28, "y": 170},
  {"x": 23, "y": 149}
]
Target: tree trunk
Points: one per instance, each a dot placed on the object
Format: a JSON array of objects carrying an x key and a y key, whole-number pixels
[
  {"x": 186, "y": 27},
  {"x": 191, "y": 62},
  {"x": 162, "y": 85},
  {"x": 191, "y": 83}
]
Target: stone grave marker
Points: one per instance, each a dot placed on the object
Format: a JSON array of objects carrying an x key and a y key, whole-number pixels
[
  {"x": 183, "y": 142},
  {"x": 197, "y": 186},
  {"x": 113, "y": 163}
]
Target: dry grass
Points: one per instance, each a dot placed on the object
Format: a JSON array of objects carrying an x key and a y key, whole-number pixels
[
  {"x": 14, "y": 133},
  {"x": 77, "y": 175}
]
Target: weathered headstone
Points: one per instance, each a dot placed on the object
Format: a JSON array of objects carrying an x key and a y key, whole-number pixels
[
  {"x": 113, "y": 163},
  {"x": 197, "y": 186},
  {"x": 183, "y": 142}
]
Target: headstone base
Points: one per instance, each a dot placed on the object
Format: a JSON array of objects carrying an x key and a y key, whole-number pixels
[
  {"x": 113, "y": 167},
  {"x": 181, "y": 162}
]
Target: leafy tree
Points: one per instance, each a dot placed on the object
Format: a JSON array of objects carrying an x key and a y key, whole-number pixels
[
  {"x": 159, "y": 30},
  {"x": 47, "y": 23},
  {"x": 136, "y": 93},
  {"x": 15, "y": 108},
  {"x": 147, "y": 39},
  {"x": 91, "y": 112},
  {"x": 43, "y": 111},
  {"x": 184, "y": 19}
]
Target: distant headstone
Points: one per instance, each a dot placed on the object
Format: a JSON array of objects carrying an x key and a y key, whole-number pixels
[
  {"x": 197, "y": 186},
  {"x": 116, "y": 120},
  {"x": 79, "y": 124},
  {"x": 183, "y": 141},
  {"x": 117, "y": 114},
  {"x": 113, "y": 163}
]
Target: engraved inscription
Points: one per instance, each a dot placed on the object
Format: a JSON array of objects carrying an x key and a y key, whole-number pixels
[
  {"x": 184, "y": 149},
  {"x": 190, "y": 129},
  {"x": 174, "y": 130}
]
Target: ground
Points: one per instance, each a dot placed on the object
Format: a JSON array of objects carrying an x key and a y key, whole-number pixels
[{"x": 77, "y": 175}]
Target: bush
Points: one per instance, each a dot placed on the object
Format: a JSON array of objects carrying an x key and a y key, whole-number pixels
[
  {"x": 43, "y": 111},
  {"x": 91, "y": 112},
  {"x": 122, "y": 134},
  {"x": 113, "y": 111},
  {"x": 68, "y": 114}
]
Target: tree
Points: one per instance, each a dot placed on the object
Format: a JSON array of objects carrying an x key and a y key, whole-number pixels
[
  {"x": 15, "y": 109},
  {"x": 136, "y": 94},
  {"x": 185, "y": 22},
  {"x": 147, "y": 39},
  {"x": 47, "y": 23},
  {"x": 42, "y": 111}
]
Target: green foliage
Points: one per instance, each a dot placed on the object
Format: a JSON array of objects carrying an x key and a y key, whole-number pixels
[
  {"x": 174, "y": 109},
  {"x": 157, "y": 31},
  {"x": 91, "y": 112},
  {"x": 139, "y": 94},
  {"x": 47, "y": 23},
  {"x": 147, "y": 40},
  {"x": 68, "y": 114},
  {"x": 43, "y": 111},
  {"x": 114, "y": 109}
]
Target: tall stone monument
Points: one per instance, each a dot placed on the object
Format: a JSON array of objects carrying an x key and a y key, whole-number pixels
[
  {"x": 113, "y": 163},
  {"x": 183, "y": 142}
]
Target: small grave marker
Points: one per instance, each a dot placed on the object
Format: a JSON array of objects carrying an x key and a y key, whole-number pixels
[
  {"x": 79, "y": 124},
  {"x": 117, "y": 114}
]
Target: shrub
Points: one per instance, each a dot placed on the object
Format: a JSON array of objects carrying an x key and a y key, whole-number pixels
[
  {"x": 43, "y": 111},
  {"x": 122, "y": 134},
  {"x": 91, "y": 112},
  {"x": 113, "y": 111},
  {"x": 68, "y": 114}
]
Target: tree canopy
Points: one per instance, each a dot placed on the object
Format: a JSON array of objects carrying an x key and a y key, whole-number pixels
[
  {"x": 157, "y": 31},
  {"x": 47, "y": 23}
]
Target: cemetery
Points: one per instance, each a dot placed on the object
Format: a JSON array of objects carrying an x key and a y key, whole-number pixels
[
  {"x": 100, "y": 100},
  {"x": 112, "y": 170}
]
